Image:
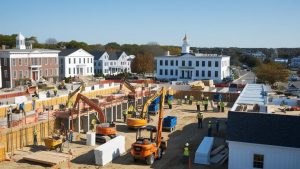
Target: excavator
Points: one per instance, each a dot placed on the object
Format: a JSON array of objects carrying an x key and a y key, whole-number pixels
[
  {"x": 132, "y": 94},
  {"x": 150, "y": 144},
  {"x": 72, "y": 95},
  {"x": 104, "y": 131}
]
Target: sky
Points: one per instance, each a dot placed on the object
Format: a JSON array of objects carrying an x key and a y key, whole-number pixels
[{"x": 207, "y": 23}]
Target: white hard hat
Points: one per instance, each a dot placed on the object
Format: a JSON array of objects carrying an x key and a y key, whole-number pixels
[{"x": 186, "y": 144}]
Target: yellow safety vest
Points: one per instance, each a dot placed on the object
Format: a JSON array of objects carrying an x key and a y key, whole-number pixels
[
  {"x": 199, "y": 115},
  {"x": 222, "y": 104},
  {"x": 209, "y": 125},
  {"x": 125, "y": 112},
  {"x": 198, "y": 102},
  {"x": 205, "y": 102},
  {"x": 186, "y": 151},
  {"x": 169, "y": 102}
]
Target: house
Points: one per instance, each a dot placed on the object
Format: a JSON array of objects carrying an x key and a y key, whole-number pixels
[
  {"x": 281, "y": 61},
  {"x": 112, "y": 63},
  {"x": 21, "y": 64},
  {"x": 75, "y": 62},
  {"x": 295, "y": 62},
  {"x": 190, "y": 66},
  {"x": 260, "y": 134}
]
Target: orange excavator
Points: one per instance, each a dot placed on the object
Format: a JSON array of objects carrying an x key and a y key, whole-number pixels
[
  {"x": 104, "y": 131},
  {"x": 150, "y": 146}
]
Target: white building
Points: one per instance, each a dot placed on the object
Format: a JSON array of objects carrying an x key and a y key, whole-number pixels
[
  {"x": 112, "y": 63},
  {"x": 295, "y": 62},
  {"x": 192, "y": 66},
  {"x": 265, "y": 137},
  {"x": 75, "y": 62}
]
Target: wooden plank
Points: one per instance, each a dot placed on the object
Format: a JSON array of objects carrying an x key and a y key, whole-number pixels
[
  {"x": 217, "y": 158},
  {"x": 49, "y": 158},
  {"x": 217, "y": 150}
]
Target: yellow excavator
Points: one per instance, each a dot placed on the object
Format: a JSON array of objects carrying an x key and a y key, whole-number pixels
[
  {"x": 72, "y": 95},
  {"x": 141, "y": 120}
]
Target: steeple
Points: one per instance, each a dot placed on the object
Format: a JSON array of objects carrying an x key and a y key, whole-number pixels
[
  {"x": 185, "y": 46},
  {"x": 20, "y": 41}
]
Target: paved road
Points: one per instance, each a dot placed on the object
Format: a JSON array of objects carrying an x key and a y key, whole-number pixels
[{"x": 245, "y": 77}]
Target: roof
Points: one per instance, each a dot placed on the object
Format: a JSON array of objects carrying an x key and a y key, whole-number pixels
[
  {"x": 66, "y": 52},
  {"x": 112, "y": 55},
  {"x": 261, "y": 128},
  {"x": 28, "y": 50},
  {"x": 200, "y": 55}
]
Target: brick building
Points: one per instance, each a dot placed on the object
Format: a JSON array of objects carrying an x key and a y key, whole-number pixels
[{"x": 21, "y": 64}]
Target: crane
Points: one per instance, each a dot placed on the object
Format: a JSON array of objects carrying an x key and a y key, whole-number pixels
[
  {"x": 148, "y": 147},
  {"x": 104, "y": 131}
]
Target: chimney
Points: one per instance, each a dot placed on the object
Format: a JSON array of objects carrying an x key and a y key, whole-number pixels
[{"x": 3, "y": 47}]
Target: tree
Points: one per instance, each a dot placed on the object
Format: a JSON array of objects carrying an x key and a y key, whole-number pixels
[
  {"x": 74, "y": 44},
  {"x": 143, "y": 63},
  {"x": 272, "y": 72},
  {"x": 113, "y": 46},
  {"x": 51, "y": 41}
]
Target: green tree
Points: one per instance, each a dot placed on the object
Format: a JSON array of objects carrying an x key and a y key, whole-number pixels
[
  {"x": 272, "y": 72},
  {"x": 113, "y": 46}
]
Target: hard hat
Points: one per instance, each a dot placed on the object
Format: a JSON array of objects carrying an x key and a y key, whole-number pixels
[{"x": 186, "y": 144}]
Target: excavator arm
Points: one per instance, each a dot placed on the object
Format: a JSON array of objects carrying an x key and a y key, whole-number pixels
[
  {"x": 160, "y": 117},
  {"x": 86, "y": 100},
  {"x": 149, "y": 101},
  {"x": 73, "y": 94},
  {"x": 128, "y": 86}
]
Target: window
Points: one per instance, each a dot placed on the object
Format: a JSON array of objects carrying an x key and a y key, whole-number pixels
[
  {"x": 74, "y": 60},
  {"x": 190, "y": 63},
  {"x": 203, "y": 73},
  {"x": 87, "y": 70},
  {"x": 209, "y": 73},
  {"x": 258, "y": 161},
  {"x": 216, "y": 73},
  {"x": 161, "y": 62},
  {"x": 172, "y": 62},
  {"x": 197, "y": 63},
  {"x": 166, "y": 71},
  {"x": 176, "y": 62},
  {"x": 74, "y": 71},
  {"x": 216, "y": 64},
  {"x": 20, "y": 62},
  {"x": 26, "y": 73},
  {"x": 46, "y": 72},
  {"x": 209, "y": 63},
  {"x": 176, "y": 72},
  {"x": 203, "y": 63},
  {"x": 91, "y": 70},
  {"x": 5, "y": 73},
  {"x": 83, "y": 60},
  {"x": 5, "y": 61},
  {"x": 15, "y": 74},
  {"x": 91, "y": 60},
  {"x": 46, "y": 61},
  {"x": 79, "y": 60},
  {"x": 197, "y": 73},
  {"x": 69, "y": 60},
  {"x": 50, "y": 72},
  {"x": 20, "y": 74},
  {"x": 88, "y": 60},
  {"x": 25, "y": 61},
  {"x": 183, "y": 63},
  {"x": 166, "y": 62},
  {"x": 69, "y": 70},
  {"x": 171, "y": 72},
  {"x": 13, "y": 62}
]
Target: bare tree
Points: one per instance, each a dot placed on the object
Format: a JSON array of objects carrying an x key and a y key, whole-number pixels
[{"x": 51, "y": 41}]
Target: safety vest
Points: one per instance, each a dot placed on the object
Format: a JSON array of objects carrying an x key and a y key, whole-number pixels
[
  {"x": 199, "y": 115},
  {"x": 209, "y": 125},
  {"x": 222, "y": 104},
  {"x": 186, "y": 151},
  {"x": 205, "y": 102},
  {"x": 169, "y": 101},
  {"x": 125, "y": 112},
  {"x": 198, "y": 102},
  {"x": 34, "y": 132}
]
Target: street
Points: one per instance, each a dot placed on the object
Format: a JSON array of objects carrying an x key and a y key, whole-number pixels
[{"x": 245, "y": 77}]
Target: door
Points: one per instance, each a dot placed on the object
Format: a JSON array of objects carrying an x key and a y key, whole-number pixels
[{"x": 34, "y": 76}]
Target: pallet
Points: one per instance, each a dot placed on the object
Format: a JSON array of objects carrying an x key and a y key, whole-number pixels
[
  {"x": 47, "y": 157},
  {"x": 219, "y": 157}
]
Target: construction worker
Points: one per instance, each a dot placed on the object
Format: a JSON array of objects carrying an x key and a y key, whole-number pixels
[
  {"x": 55, "y": 91},
  {"x": 94, "y": 123},
  {"x": 191, "y": 100},
  {"x": 200, "y": 119},
  {"x": 35, "y": 142},
  {"x": 209, "y": 129},
  {"x": 198, "y": 103},
  {"x": 33, "y": 103},
  {"x": 222, "y": 106},
  {"x": 205, "y": 103},
  {"x": 186, "y": 153},
  {"x": 70, "y": 136},
  {"x": 125, "y": 115},
  {"x": 170, "y": 103},
  {"x": 185, "y": 99},
  {"x": 219, "y": 107}
]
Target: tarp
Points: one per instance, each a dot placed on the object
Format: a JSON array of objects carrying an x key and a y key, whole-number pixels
[
  {"x": 20, "y": 99},
  {"x": 202, "y": 155}
]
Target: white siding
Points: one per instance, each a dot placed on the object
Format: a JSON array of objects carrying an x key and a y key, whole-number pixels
[{"x": 275, "y": 157}]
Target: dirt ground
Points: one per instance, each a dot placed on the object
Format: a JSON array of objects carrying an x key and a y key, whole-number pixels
[{"x": 186, "y": 131}]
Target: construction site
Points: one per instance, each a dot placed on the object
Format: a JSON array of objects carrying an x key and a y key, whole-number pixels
[{"x": 116, "y": 124}]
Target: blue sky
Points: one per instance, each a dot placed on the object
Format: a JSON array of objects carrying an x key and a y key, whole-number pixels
[{"x": 208, "y": 23}]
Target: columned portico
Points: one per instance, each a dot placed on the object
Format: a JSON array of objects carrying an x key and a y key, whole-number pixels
[
  {"x": 185, "y": 73},
  {"x": 35, "y": 72}
]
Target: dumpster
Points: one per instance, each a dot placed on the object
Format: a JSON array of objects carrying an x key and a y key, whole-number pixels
[{"x": 169, "y": 123}]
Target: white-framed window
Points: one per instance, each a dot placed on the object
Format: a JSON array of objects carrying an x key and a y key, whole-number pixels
[
  {"x": 69, "y": 60},
  {"x": 26, "y": 73},
  {"x": 50, "y": 72},
  {"x": 20, "y": 62},
  {"x": 69, "y": 70},
  {"x": 87, "y": 70},
  {"x": 79, "y": 60},
  {"x": 46, "y": 72},
  {"x": 15, "y": 74},
  {"x": 83, "y": 60},
  {"x": 25, "y": 61},
  {"x": 258, "y": 161},
  {"x": 5, "y": 74},
  {"x": 13, "y": 62},
  {"x": 46, "y": 61},
  {"x": 20, "y": 74},
  {"x": 74, "y": 71},
  {"x": 74, "y": 60},
  {"x": 91, "y": 69}
]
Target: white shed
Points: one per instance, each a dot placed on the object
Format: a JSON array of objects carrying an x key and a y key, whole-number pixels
[{"x": 202, "y": 155}]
